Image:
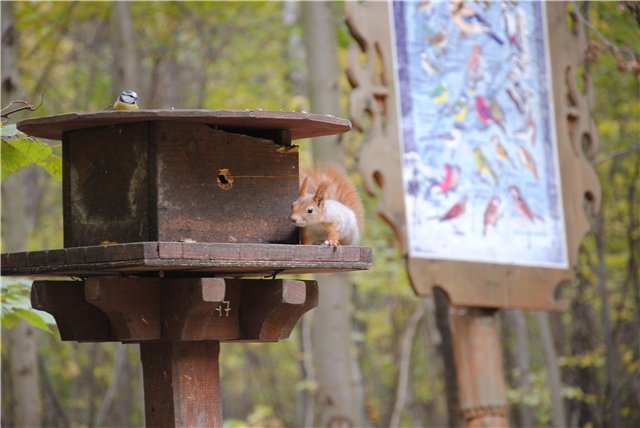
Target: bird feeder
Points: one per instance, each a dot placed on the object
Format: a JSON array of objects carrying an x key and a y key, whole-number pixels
[{"x": 172, "y": 221}]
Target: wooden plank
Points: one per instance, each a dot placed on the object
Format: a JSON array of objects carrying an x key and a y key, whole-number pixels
[
  {"x": 106, "y": 185},
  {"x": 301, "y": 125},
  {"x": 76, "y": 318},
  {"x": 133, "y": 305},
  {"x": 200, "y": 309},
  {"x": 250, "y": 203},
  {"x": 169, "y": 256},
  {"x": 181, "y": 384}
]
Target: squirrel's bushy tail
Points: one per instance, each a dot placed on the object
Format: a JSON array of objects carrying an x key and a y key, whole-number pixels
[{"x": 341, "y": 188}]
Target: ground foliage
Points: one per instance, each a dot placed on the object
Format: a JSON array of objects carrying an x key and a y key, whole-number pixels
[{"x": 234, "y": 56}]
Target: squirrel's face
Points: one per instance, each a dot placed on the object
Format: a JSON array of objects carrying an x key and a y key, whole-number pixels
[{"x": 303, "y": 212}]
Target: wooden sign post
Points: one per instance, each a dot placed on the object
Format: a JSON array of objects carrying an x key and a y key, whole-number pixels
[
  {"x": 456, "y": 118},
  {"x": 171, "y": 220}
]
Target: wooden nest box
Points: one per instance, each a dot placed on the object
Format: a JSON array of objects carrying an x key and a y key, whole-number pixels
[{"x": 180, "y": 175}]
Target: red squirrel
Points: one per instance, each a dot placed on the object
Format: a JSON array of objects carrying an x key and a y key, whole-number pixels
[{"x": 328, "y": 208}]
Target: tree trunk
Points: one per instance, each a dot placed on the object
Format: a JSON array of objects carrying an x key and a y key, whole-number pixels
[
  {"x": 558, "y": 416},
  {"x": 518, "y": 321},
  {"x": 23, "y": 355},
  {"x": 446, "y": 351},
  {"x": 126, "y": 60},
  {"x": 340, "y": 393}
]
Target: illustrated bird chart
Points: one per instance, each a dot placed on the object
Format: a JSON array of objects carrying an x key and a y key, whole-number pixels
[{"x": 480, "y": 164}]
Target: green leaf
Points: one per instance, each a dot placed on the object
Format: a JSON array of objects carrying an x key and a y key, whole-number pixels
[
  {"x": 53, "y": 165},
  {"x": 33, "y": 318},
  {"x": 23, "y": 150}
]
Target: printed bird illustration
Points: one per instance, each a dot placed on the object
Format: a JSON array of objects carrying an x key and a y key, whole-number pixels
[
  {"x": 440, "y": 93},
  {"x": 522, "y": 208},
  {"x": 449, "y": 181},
  {"x": 501, "y": 151},
  {"x": 426, "y": 65},
  {"x": 528, "y": 131},
  {"x": 511, "y": 26},
  {"x": 516, "y": 93},
  {"x": 473, "y": 72},
  {"x": 460, "y": 108},
  {"x": 482, "y": 165},
  {"x": 471, "y": 22},
  {"x": 457, "y": 210},
  {"x": 496, "y": 111},
  {"x": 128, "y": 100},
  {"x": 438, "y": 40},
  {"x": 527, "y": 160},
  {"x": 491, "y": 214},
  {"x": 485, "y": 114}
]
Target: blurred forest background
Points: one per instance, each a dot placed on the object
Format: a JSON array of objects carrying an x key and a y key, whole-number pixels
[{"x": 77, "y": 56}]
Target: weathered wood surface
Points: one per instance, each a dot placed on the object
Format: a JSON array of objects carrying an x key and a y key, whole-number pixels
[
  {"x": 76, "y": 319},
  {"x": 301, "y": 125},
  {"x": 182, "y": 309},
  {"x": 106, "y": 184},
  {"x": 186, "y": 259},
  {"x": 373, "y": 110},
  {"x": 181, "y": 384},
  {"x": 167, "y": 181},
  {"x": 217, "y": 186},
  {"x": 478, "y": 360}
]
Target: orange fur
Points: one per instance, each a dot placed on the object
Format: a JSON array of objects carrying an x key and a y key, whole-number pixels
[
  {"x": 328, "y": 207},
  {"x": 340, "y": 187}
]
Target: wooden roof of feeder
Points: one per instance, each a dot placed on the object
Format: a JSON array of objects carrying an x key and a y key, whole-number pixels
[{"x": 301, "y": 125}]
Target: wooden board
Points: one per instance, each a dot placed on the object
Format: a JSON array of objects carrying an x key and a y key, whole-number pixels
[
  {"x": 373, "y": 111},
  {"x": 186, "y": 259},
  {"x": 106, "y": 185},
  {"x": 301, "y": 125},
  {"x": 189, "y": 202}
]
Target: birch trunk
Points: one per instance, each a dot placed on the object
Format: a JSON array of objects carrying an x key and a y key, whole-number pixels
[{"x": 340, "y": 393}]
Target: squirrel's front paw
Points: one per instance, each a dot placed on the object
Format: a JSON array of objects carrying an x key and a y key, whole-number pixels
[{"x": 334, "y": 244}]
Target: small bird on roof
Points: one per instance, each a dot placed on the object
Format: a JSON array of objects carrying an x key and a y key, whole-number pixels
[{"x": 128, "y": 100}]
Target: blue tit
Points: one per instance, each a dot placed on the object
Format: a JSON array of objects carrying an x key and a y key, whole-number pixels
[{"x": 128, "y": 100}]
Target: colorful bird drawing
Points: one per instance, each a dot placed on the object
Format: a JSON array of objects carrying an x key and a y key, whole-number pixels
[
  {"x": 485, "y": 114},
  {"x": 460, "y": 108},
  {"x": 512, "y": 26},
  {"x": 456, "y": 211},
  {"x": 449, "y": 181},
  {"x": 527, "y": 160},
  {"x": 426, "y": 65},
  {"x": 501, "y": 151},
  {"x": 528, "y": 131},
  {"x": 491, "y": 214},
  {"x": 473, "y": 72},
  {"x": 440, "y": 93},
  {"x": 517, "y": 94},
  {"x": 482, "y": 165},
  {"x": 471, "y": 22},
  {"x": 438, "y": 40},
  {"x": 522, "y": 207}
]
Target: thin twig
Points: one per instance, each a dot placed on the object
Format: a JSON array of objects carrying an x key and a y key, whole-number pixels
[
  {"x": 612, "y": 46},
  {"x": 617, "y": 153},
  {"x": 27, "y": 106},
  {"x": 405, "y": 357}
]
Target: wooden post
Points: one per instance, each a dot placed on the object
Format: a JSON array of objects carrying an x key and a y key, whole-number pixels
[
  {"x": 181, "y": 384},
  {"x": 476, "y": 346}
]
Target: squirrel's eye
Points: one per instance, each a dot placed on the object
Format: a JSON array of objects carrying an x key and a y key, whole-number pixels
[{"x": 309, "y": 210}]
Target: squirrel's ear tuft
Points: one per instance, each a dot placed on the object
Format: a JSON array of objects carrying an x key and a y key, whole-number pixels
[
  {"x": 303, "y": 186},
  {"x": 321, "y": 193}
]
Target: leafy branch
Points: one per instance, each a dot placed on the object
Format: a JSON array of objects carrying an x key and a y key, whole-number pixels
[{"x": 19, "y": 150}]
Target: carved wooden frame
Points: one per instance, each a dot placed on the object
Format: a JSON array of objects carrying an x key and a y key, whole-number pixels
[{"x": 373, "y": 111}]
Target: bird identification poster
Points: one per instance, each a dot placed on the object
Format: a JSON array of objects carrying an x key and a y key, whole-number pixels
[{"x": 480, "y": 163}]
